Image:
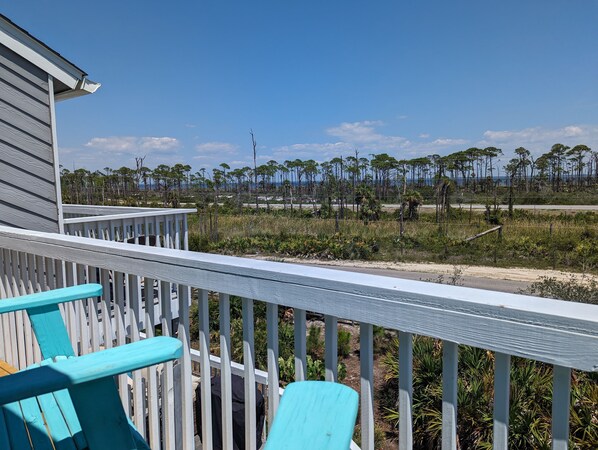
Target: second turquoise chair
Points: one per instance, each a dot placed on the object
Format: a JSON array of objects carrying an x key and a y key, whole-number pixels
[{"x": 314, "y": 415}]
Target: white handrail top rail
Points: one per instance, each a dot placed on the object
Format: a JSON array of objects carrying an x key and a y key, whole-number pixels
[
  {"x": 553, "y": 331},
  {"x": 136, "y": 215},
  {"x": 99, "y": 209}
]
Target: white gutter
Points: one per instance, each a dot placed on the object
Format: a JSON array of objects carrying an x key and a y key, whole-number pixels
[{"x": 84, "y": 86}]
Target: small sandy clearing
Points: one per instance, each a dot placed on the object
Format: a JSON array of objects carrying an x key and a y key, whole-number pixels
[{"x": 496, "y": 273}]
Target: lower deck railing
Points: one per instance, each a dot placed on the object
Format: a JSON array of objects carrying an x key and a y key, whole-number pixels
[
  {"x": 160, "y": 399},
  {"x": 156, "y": 227}
]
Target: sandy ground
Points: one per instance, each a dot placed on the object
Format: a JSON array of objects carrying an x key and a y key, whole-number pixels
[{"x": 493, "y": 273}]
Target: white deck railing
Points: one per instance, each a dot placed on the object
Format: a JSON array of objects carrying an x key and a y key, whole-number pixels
[
  {"x": 560, "y": 333},
  {"x": 156, "y": 227},
  {"x": 70, "y": 211}
]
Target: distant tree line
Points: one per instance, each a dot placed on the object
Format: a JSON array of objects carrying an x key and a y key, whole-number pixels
[{"x": 350, "y": 180}]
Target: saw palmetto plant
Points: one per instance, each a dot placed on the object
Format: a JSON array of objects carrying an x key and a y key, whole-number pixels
[{"x": 530, "y": 399}]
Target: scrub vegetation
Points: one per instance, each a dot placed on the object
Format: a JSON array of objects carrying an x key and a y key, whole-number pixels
[{"x": 563, "y": 241}]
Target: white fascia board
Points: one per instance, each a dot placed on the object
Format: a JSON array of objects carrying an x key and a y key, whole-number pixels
[{"x": 39, "y": 55}]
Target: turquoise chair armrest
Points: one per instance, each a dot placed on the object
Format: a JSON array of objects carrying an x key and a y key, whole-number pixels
[
  {"x": 315, "y": 415},
  {"x": 53, "y": 297},
  {"x": 65, "y": 373}
]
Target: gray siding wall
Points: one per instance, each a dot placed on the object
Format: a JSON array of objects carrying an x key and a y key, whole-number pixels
[{"x": 27, "y": 176}]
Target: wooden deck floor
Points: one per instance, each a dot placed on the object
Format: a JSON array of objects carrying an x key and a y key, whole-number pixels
[{"x": 6, "y": 369}]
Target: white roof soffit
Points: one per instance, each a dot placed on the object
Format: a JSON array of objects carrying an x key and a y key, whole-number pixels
[{"x": 46, "y": 59}]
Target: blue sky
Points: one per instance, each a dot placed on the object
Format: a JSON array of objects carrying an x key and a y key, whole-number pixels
[{"x": 185, "y": 81}]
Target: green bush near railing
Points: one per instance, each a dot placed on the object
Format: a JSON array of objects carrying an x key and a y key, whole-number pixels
[
  {"x": 530, "y": 401},
  {"x": 344, "y": 343},
  {"x": 316, "y": 370},
  {"x": 582, "y": 290}
]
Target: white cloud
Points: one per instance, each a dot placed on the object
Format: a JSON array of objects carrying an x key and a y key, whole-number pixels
[
  {"x": 447, "y": 142},
  {"x": 573, "y": 131},
  {"x": 212, "y": 154},
  {"x": 133, "y": 144},
  {"x": 534, "y": 134},
  {"x": 364, "y": 134},
  {"x": 159, "y": 143},
  {"x": 317, "y": 151},
  {"x": 118, "y": 151},
  {"x": 540, "y": 139},
  {"x": 366, "y": 137},
  {"x": 211, "y": 148}
]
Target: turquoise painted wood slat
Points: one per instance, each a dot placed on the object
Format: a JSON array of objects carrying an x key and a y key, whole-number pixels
[
  {"x": 53, "y": 297},
  {"x": 61, "y": 418},
  {"x": 59, "y": 430},
  {"x": 18, "y": 437},
  {"x": 32, "y": 416},
  {"x": 4, "y": 441},
  {"x": 63, "y": 400},
  {"x": 317, "y": 415},
  {"x": 51, "y": 422},
  {"x": 139, "y": 440},
  {"x": 50, "y": 331},
  {"x": 99, "y": 414},
  {"x": 45, "y": 316}
]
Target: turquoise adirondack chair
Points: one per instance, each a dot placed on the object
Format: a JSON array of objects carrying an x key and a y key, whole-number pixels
[
  {"x": 70, "y": 402},
  {"x": 314, "y": 415}
]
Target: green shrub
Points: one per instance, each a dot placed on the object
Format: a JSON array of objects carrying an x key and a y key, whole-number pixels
[
  {"x": 315, "y": 345},
  {"x": 316, "y": 369},
  {"x": 336, "y": 246},
  {"x": 379, "y": 436},
  {"x": 584, "y": 290},
  {"x": 199, "y": 242},
  {"x": 382, "y": 339},
  {"x": 286, "y": 369},
  {"x": 343, "y": 343},
  {"x": 530, "y": 403}
]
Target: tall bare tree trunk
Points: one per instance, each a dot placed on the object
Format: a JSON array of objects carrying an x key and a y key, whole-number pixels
[{"x": 254, "y": 144}]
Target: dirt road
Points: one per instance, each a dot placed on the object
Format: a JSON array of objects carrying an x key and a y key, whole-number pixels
[{"x": 482, "y": 277}]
